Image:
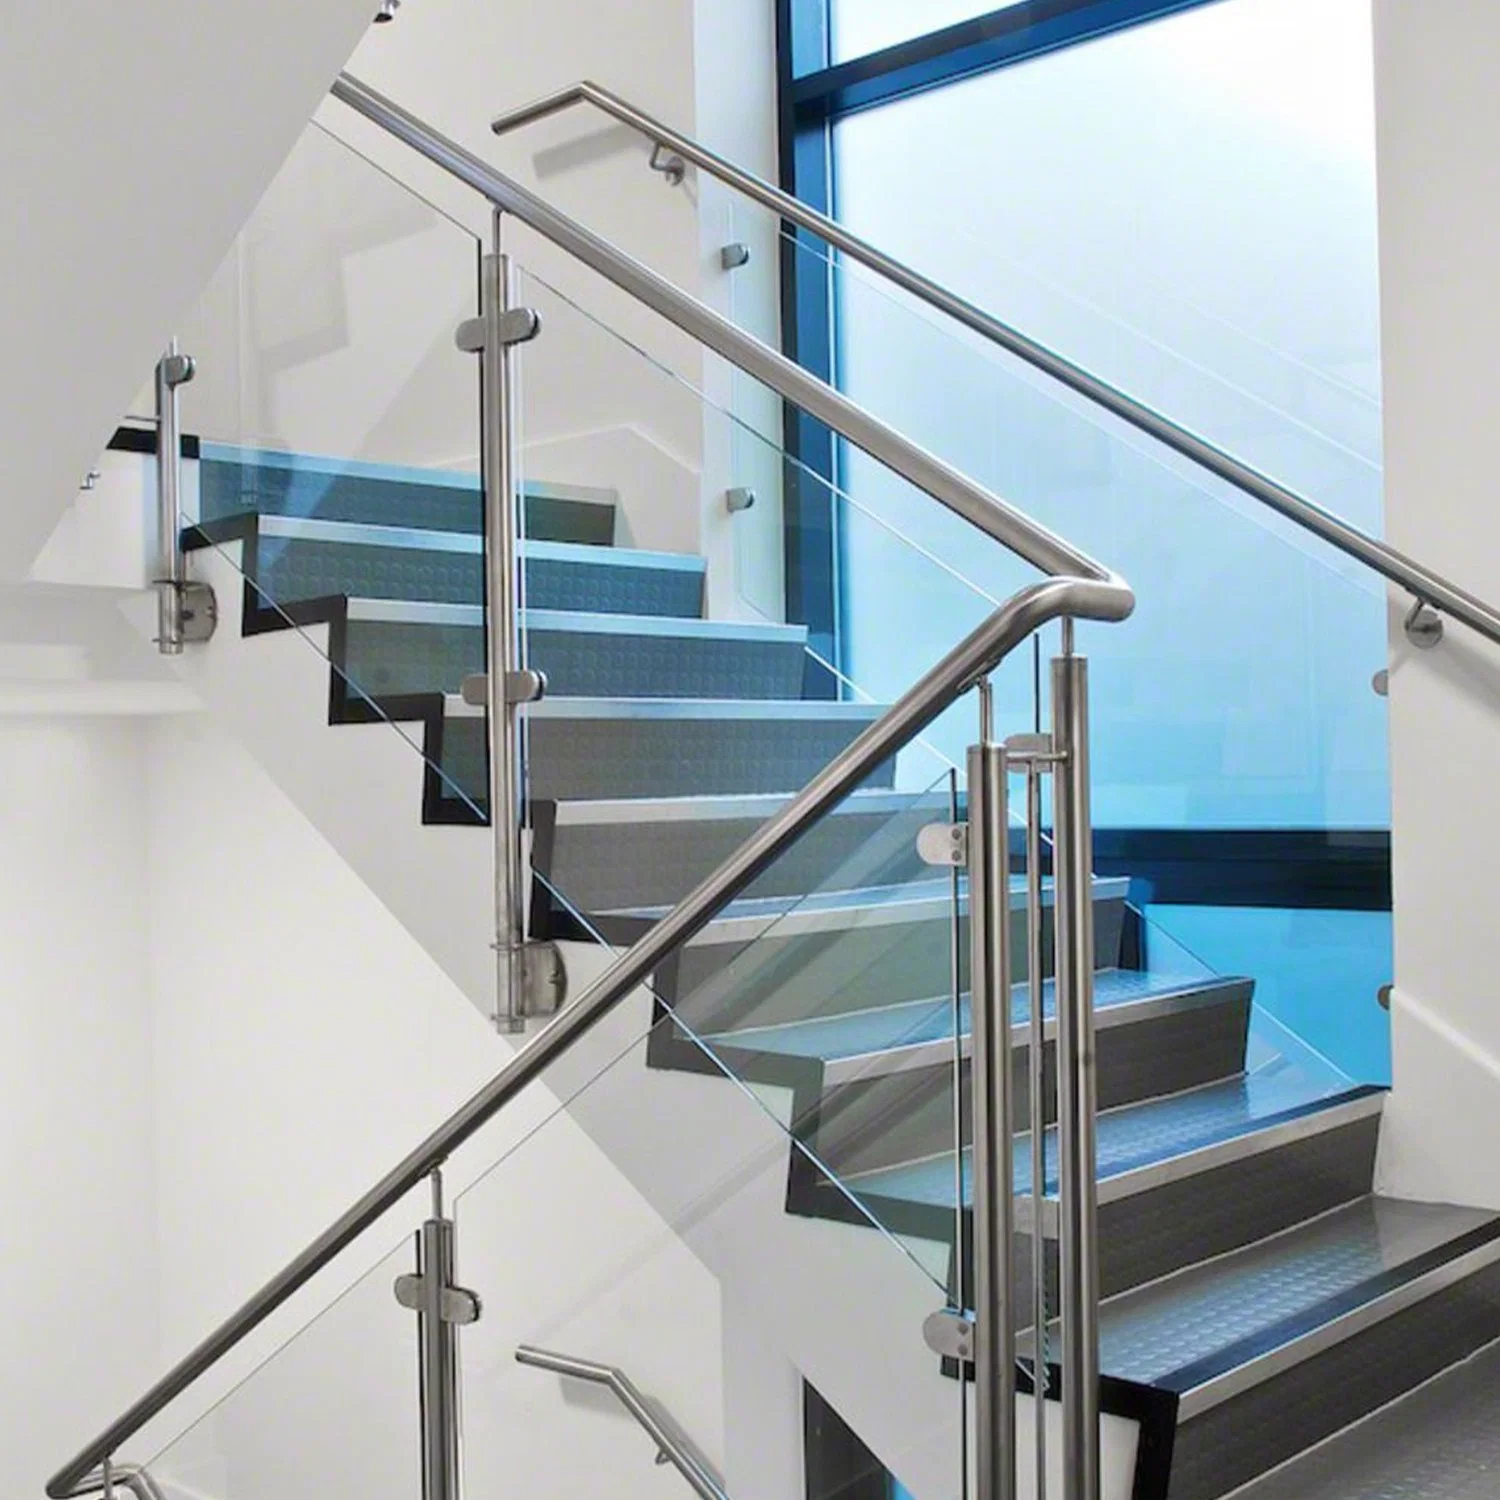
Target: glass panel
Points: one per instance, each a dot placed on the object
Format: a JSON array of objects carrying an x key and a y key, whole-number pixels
[
  {"x": 339, "y": 1399},
  {"x": 945, "y": 604},
  {"x": 678, "y": 554},
  {"x": 334, "y": 407},
  {"x": 864, "y": 26},
  {"x": 337, "y": 500},
  {"x": 715, "y": 1285}
]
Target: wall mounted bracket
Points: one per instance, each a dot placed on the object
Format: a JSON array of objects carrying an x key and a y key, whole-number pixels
[{"x": 1423, "y": 626}]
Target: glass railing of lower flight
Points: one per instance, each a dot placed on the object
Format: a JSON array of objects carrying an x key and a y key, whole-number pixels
[{"x": 655, "y": 1247}]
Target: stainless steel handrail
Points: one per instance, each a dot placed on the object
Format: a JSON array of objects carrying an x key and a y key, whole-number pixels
[
  {"x": 979, "y": 653},
  {"x": 1079, "y": 588},
  {"x": 1421, "y": 582},
  {"x": 962, "y": 495},
  {"x": 673, "y": 1445}
]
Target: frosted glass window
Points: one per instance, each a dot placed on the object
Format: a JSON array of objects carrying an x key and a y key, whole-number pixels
[
  {"x": 1188, "y": 208},
  {"x": 864, "y": 26}
]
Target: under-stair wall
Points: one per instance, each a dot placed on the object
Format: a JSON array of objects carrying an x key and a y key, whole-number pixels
[{"x": 137, "y": 139}]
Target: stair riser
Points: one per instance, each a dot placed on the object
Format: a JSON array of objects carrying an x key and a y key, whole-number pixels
[
  {"x": 773, "y": 980},
  {"x": 1154, "y": 1233},
  {"x": 229, "y": 488},
  {"x": 293, "y": 570},
  {"x": 883, "y": 1122},
  {"x": 1232, "y": 1443},
  {"x": 589, "y": 759},
  {"x": 393, "y": 659},
  {"x": 604, "y": 867}
]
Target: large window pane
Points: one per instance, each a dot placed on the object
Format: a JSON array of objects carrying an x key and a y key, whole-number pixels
[
  {"x": 1188, "y": 208},
  {"x": 864, "y": 26}
]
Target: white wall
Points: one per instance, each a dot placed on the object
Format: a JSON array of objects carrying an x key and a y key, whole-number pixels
[
  {"x": 78, "y": 1329},
  {"x": 1439, "y": 140},
  {"x": 133, "y": 139}
]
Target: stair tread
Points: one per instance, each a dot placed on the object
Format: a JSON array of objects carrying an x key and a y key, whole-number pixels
[
  {"x": 683, "y": 708},
  {"x": 1440, "y": 1442},
  {"x": 1175, "y": 1332},
  {"x": 572, "y": 621},
  {"x": 634, "y": 811},
  {"x": 915, "y": 1024},
  {"x": 911, "y": 900},
  {"x": 1143, "y": 1135}
]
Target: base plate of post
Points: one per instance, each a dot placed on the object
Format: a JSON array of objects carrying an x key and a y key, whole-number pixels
[{"x": 200, "y": 613}]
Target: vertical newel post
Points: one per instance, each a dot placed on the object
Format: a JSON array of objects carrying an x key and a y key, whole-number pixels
[
  {"x": 527, "y": 978},
  {"x": 993, "y": 1153},
  {"x": 441, "y": 1307},
  {"x": 1077, "y": 1094},
  {"x": 185, "y": 612}
]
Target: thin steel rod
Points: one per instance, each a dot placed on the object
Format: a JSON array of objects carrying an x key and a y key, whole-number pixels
[
  {"x": 1419, "y": 581},
  {"x": 670, "y": 1440},
  {"x": 1037, "y": 1118},
  {"x": 817, "y": 398},
  {"x": 1078, "y": 1198},
  {"x": 949, "y": 680},
  {"x": 961, "y": 1260},
  {"x": 500, "y": 423},
  {"x": 993, "y": 1149}
]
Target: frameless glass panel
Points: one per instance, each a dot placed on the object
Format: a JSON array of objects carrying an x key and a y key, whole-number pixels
[
  {"x": 339, "y": 423},
  {"x": 713, "y": 1284},
  {"x": 336, "y": 494},
  {"x": 340, "y": 1399},
  {"x": 863, "y": 26},
  {"x": 683, "y": 557}
]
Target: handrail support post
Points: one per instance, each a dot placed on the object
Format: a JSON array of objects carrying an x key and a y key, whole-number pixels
[
  {"x": 185, "y": 612},
  {"x": 527, "y": 978},
  {"x": 993, "y": 1130},
  {"x": 1078, "y": 1198},
  {"x": 441, "y": 1307}
]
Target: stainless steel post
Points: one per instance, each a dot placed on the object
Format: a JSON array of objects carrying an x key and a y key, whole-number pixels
[
  {"x": 1078, "y": 1207},
  {"x": 994, "y": 1178},
  {"x": 501, "y": 440},
  {"x": 1037, "y": 1118},
  {"x": 173, "y": 371},
  {"x": 440, "y": 1306}
]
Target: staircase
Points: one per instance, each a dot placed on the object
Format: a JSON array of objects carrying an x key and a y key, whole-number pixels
[{"x": 1260, "y": 1296}]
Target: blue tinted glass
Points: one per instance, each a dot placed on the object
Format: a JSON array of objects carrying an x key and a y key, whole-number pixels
[
  {"x": 864, "y": 26},
  {"x": 1187, "y": 208}
]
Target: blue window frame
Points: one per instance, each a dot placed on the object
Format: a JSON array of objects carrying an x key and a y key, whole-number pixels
[{"x": 815, "y": 93}]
